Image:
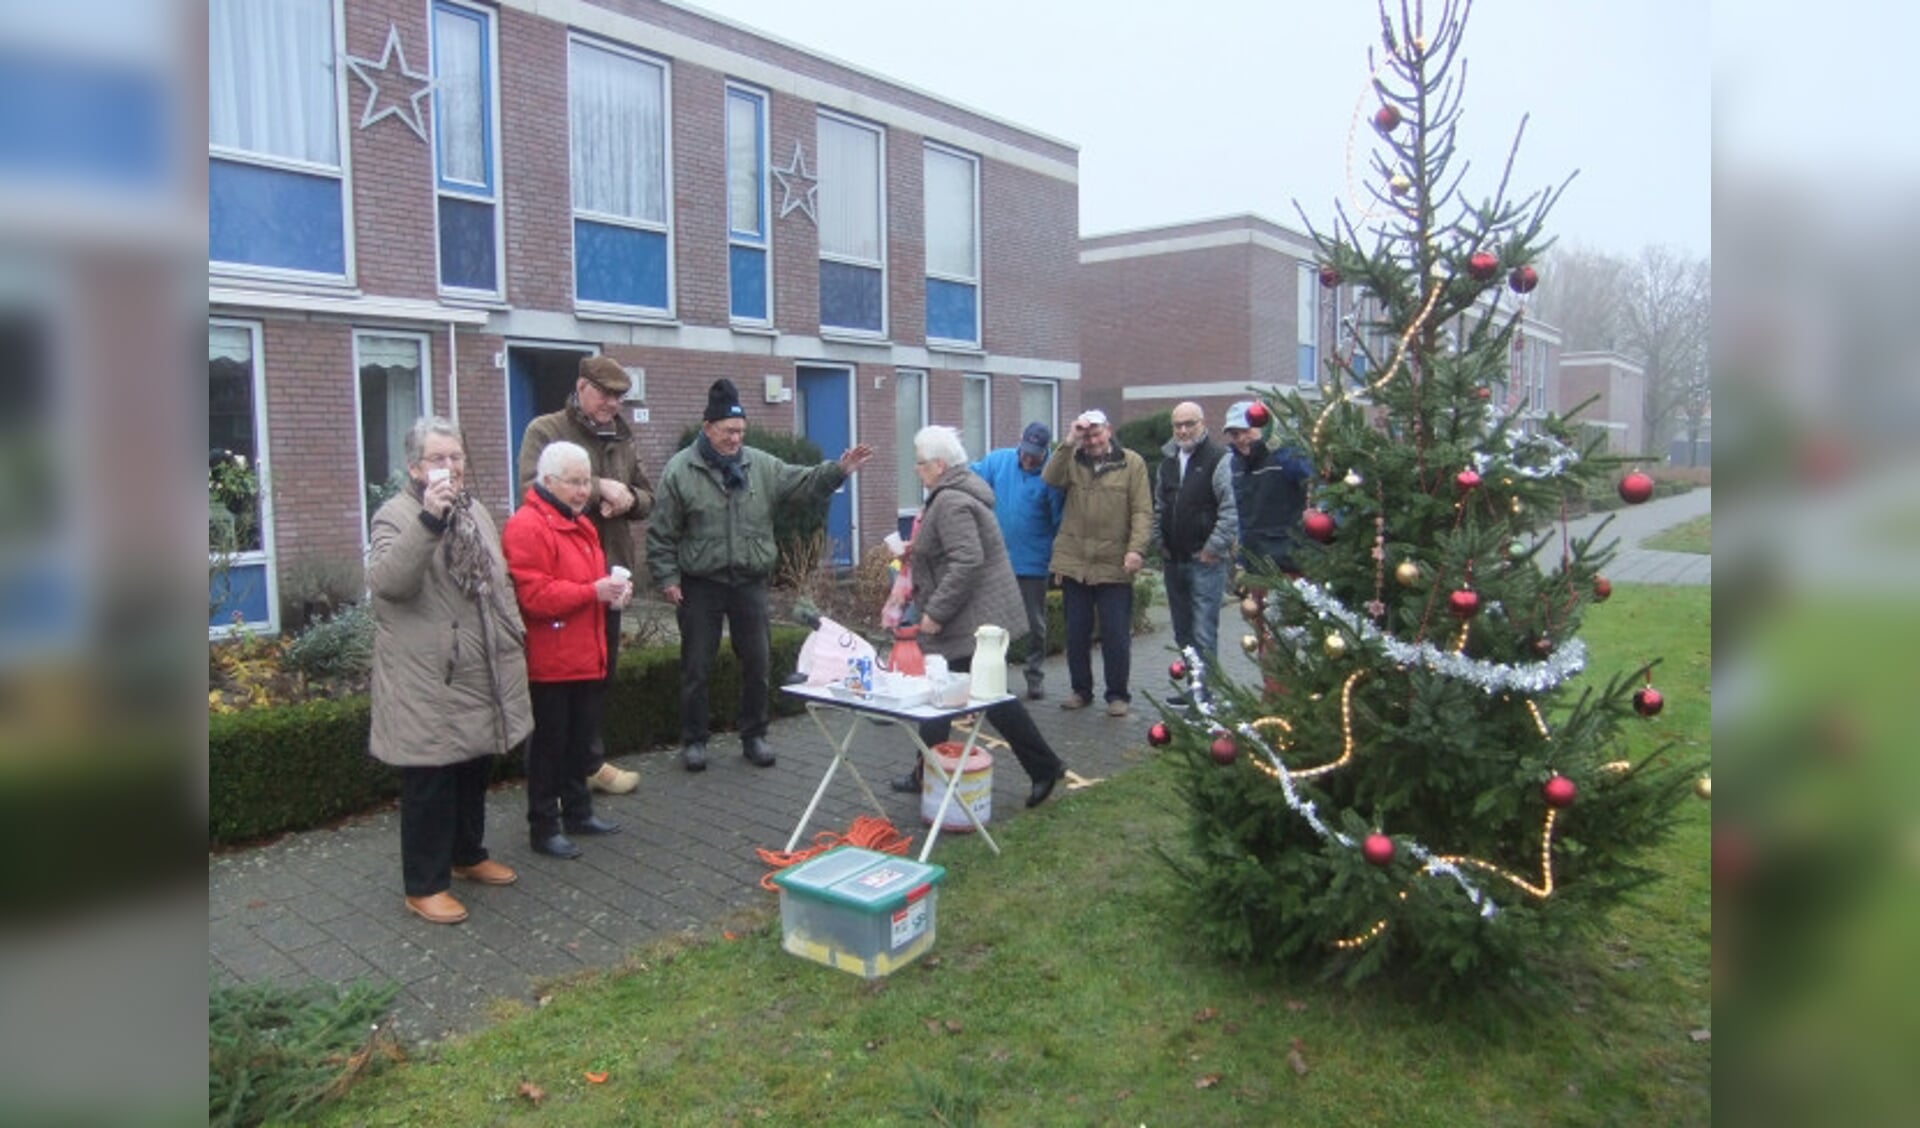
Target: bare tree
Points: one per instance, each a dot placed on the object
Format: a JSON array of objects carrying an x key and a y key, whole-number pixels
[
  {"x": 1666, "y": 323},
  {"x": 1581, "y": 291}
]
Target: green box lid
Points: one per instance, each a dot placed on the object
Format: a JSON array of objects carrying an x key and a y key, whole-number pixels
[{"x": 861, "y": 879}]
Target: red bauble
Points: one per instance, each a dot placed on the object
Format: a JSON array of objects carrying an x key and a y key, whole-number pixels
[
  {"x": 1465, "y": 603},
  {"x": 1523, "y": 279},
  {"x": 1483, "y": 265},
  {"x": 1224, "y": 750},
  {"x": 1159, "y": 736},
  {"x": 1377, "y": 850},
  {"x": 1482, "y": 393},
  {"x": 1636, "y": 488},
  {"x": 1257, "y": 415},
  {"x": 1543, "y": 646},
  {"x": 1177, "y": 671},
  {"x": 1602, "y": 588},
  {"x": 1559, "y": 791},
  {"x": 1467, "y": 480},
  {"x": 1329, "y": 277},
  {"x": 1386, "y": 119},
  {"x": 1318, "y": 525},
  {"x": 1648, "y": 701}
]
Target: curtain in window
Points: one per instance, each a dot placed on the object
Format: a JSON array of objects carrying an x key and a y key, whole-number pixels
[
  {"x": 615, "y": 107},
  {"x": 974, "y": 408},
  {"x": 270, "y": 79},
  {"x": 460, "y": 123},
  {"x": 389, "y": 403},
  {"x": 849, "y": 198},
  {"x": 744, "y": 174},
  {"x": 950, "y": 212},
  {"x": 1037, "y": 404}
]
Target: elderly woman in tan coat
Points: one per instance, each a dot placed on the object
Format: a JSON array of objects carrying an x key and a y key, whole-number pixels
[
  {"x": 449, "y": 668},
  {"x": 962, "y": 579}
]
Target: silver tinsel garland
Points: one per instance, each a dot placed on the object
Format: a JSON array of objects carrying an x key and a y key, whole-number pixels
[
  {"x": 1305, "y": 808},
  {"x": 1491, "y": 677},
  {"x": 1558, "y": 456}
]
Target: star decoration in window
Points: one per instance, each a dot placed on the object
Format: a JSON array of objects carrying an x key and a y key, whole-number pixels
[
  {"x": 397, "y": 80},
  {"x": 797, "y": 186}
]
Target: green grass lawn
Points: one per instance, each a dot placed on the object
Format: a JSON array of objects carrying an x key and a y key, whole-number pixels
[
  {"x": 1062, "y": 991},
  {"x": 1696, "y": 536}
]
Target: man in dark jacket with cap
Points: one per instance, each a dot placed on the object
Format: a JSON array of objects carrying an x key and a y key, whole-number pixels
[
  {"x": 711, "y": 549},
  {"x": 621, "y": 495}
]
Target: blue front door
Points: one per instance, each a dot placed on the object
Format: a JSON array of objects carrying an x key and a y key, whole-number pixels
[{"x": 826, "y": 417}]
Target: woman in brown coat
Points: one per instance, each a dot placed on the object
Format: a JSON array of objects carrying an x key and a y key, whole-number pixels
[
  {"x": 449, "y": 668},
  {"x": 962, "y": 579}
]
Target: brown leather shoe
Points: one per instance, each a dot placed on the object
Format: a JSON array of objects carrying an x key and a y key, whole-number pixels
[
  {"x": 440, "y": 908},
  {"x": 1118, "y": 708},
  {"x": 488, "y": 872},
  {"x": 1075, "y": 701}
]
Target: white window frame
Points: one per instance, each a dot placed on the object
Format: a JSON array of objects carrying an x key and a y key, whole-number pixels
[
  {"x": 342, "y": 172},
  {"x": 880, "y": 173},
  {"x": 491, "y": 21},
  {"x": 765, "y": 246},
  {"x": 1306, "y": 323},
  {"x": 979, "y": 299},
  {"x": 665, "y": 227},
  {"x": 1053, "y": 410},
  {"x": 905, "y": 458},
  {"x": 985, "y": 382},
  {"x": 424, "y": 407},
  {"x": 263, "y": 473}
]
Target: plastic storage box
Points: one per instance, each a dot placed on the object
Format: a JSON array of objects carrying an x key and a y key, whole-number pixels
[{"x": 859, "y": 910}]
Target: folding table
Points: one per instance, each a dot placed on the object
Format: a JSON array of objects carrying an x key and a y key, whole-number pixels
[{"x": 821, "y": 700}]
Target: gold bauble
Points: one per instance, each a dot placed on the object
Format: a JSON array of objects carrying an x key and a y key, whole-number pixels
[
  {"x": 1517, "y": 507},
  {"x": 1250, "y": 608},
  {"x": 1407, "y": 573},
  {"x": 1250, "y": 643},
  {"x": 1335, "y": 646},
  {"x": 1703, "y": 787},
  {"x": 1400, "y": 185}
]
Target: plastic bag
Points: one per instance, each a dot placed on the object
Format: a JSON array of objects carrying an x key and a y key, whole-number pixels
[{"x": 824, "y": 654}]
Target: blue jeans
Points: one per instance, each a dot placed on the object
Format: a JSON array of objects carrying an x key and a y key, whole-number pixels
[
  {"x": 1193, "y": 599},
  {"x": 1114, "y": 604}
]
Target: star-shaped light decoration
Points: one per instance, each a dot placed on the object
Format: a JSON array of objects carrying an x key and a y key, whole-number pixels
[
  {"x": 798, "y": 187},
  {"x": 406, "y": 106}
]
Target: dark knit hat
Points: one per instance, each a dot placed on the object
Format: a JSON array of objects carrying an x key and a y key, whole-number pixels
[
  {"x": 605, "y": 373},
  {"x": 723, "y": 402}
]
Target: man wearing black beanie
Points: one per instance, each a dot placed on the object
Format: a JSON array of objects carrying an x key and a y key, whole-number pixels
[{"x": 711, "y": 550}]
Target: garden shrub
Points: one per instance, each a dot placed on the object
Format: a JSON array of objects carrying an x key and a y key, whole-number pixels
[
  {"x": 339, "y": 648},
  {"x": 291, "y": 767}
]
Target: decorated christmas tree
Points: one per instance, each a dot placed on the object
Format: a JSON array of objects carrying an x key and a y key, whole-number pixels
[{"x": 1429, "y": 780}]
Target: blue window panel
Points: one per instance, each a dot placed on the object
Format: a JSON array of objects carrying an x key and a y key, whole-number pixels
[
  {"x": 951, "y": 310},
  {"x": 849, "y": 296},
  {"x": 272, "y": 217},
  {"x": 619, "y": 265},
  {"x": 466, "y": 244},
  {"x": 91, "y": 123},
  {"x": 1359, "y": 363},
  {"x": 1309, "y": 372},
  {"x": 747, "y": 271},
  {"x": 241, "y": 588}
]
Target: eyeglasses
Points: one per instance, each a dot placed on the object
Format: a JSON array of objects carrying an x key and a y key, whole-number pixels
[
  {"x": 454, "y": 458},
  {"x": 1185, "y": 424},
  {"x": 577, "y": 483}
]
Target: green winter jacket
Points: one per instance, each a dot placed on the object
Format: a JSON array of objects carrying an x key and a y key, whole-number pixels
[
  {"x": 1109, "y": 513},
  {"x": 699, "y": 529}
]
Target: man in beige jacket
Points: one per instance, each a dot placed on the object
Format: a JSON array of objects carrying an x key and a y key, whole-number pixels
[{"x": 1104, "y": 531}]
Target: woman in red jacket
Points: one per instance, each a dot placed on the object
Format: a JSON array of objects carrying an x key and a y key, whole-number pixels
[{"x": 560, "y": 578}]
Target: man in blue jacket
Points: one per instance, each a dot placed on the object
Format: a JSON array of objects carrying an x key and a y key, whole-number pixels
[{"x": 1028, "y": 511}]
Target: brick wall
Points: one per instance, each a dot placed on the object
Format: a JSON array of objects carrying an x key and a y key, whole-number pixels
[
  {"x": 313, "y": 440},
  {"x": 534, "y": 165},
  {"x": 1166, "y": 318}
]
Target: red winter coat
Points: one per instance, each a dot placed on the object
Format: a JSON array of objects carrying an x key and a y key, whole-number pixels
[{"x": 554, "y": 560}]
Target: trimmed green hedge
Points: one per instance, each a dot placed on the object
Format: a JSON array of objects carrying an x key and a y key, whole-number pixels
[
  {"x": 1143, "y": 589},
  {"x": 298, "y": 766}
]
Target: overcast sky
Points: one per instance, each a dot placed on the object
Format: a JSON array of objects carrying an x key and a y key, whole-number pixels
[{"x": 1217, "y": 107}]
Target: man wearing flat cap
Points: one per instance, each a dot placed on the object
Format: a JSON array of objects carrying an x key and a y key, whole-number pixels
[
  {"x": 1028, "y": 512},
  {"x": 621, "y": 495},
  {"x": 711, "y": 550},
  {"x": 1104, "y": 531}
]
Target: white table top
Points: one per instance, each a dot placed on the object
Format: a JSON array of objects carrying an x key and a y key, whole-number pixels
[{"x": 927, "y": 712}]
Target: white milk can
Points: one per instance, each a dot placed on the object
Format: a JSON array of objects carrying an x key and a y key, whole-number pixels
[{"x": 989, "y": 662}]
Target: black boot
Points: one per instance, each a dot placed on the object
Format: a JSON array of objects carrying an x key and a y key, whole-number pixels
[{"x": 909, "y": 784}]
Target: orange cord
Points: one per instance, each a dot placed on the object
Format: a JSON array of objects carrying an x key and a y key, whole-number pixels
[{"x": 867, "y": 832}]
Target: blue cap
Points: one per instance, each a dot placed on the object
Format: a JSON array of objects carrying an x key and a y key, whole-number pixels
[{"x": 1035, "y": 440}]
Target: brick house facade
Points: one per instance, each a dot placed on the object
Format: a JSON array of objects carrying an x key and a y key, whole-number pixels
[
  {"x": 618, "y": 177},
  {"x": 1618, "y": 388}
]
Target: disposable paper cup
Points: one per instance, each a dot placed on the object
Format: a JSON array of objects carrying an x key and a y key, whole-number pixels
[{"x": 620, "y": 572}]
